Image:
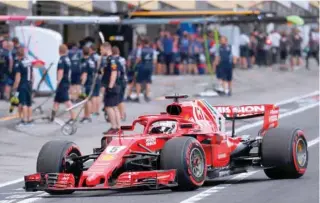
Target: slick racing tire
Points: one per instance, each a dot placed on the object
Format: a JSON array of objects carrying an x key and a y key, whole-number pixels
[
  {"x": 51, "y": 159},
  {"x": 186, "y": 155},
  {"x": 285, "y": 151}
]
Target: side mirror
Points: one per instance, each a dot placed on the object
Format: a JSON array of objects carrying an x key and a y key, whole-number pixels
[
  {"x": 186, "y": 125},
  {"x": 126, "y": 127}
]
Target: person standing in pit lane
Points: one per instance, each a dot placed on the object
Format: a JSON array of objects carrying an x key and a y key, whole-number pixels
[
  {"x": 6, "y": 67},
  {"x": 132, "y": 69},
  {"x": 63, "y": 83},
  {"x": 112, "y": 89},
  {"x": 167, "y": 43},
  {"x": 147, "y": 56},
  {"x": 193, "y": 54},
  {"x": 10, "y": 73},
  {"x": 122, "y": 81},
  {"x": 176, "y": 55},
  {"x": 283, "y": 49},
  {"x": 75, "y": 56},
  {"x": 22, "y": 87},
  {"x": 184, "y": 51},
  {"x": 244, "y": 50},
  {"x": 88, "y": 68},
  {"x": 96, "y": 91},
  {"x": 313, "y": 51},
  {"x": 106, "y": 53},
  {"x": 225, "y": 59},
  {"x": 161, "y": 57},
  {"x": 295, "y": 48}
]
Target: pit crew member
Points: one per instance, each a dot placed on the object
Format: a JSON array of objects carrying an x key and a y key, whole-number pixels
[
  {"x": 148, "y": 58},
  {"x": 63, "y": 83}
]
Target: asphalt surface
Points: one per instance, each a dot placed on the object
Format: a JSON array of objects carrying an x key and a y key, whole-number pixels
[{"x": 19, "y": 147}]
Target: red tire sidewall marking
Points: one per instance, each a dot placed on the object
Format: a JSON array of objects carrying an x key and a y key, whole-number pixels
[
  {"x": 188, "y": 161},
  {"x": 298, "y": 134}
]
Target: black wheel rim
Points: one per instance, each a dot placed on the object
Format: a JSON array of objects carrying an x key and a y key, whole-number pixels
[{"x": 197, "y": 163}]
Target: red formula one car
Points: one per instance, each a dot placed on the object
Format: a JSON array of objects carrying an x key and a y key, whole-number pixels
[{"x": 179, "y": 149}]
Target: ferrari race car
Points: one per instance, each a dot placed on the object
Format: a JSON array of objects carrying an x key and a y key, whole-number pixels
[{"x": 178, "y": 149}]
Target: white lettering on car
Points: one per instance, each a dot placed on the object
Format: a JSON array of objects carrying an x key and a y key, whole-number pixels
[
  {"x": 114, "y": 149},
  {"x": 151, "y": 141},
  {"x": 221, "y": 156},
  {"x": 241, "y": 109}
]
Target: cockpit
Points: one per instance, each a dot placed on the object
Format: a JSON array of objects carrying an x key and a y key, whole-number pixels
[{"x": 163, "y": 127}]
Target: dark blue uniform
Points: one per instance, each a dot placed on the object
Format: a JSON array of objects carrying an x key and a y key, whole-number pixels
[
  {"x": 62, "y": 92},
  {"x": 112, "y": 96},
  {"x": 24, "y": 67},
  {"x": 147, "y": 55},
  {"x": 226, "y": 62},
  {"x": 4, "y": 65},
  {"x": 184, "y": 49},
  {"x": 96, "y": 91},
  {"x": 193, "y": 55},
  {"x": 11, "y": 73},
  {"x": 133, "y": 66},
  {"x": 88, "y": 66},
  {"x": 75, "y": 57},
  {"x": 105, "y": 62},
  {"x": 121, "y": 81}
]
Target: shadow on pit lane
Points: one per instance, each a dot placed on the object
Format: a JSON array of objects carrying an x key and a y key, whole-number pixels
[
  {"x": 212, "y": 183},
  {"x": 252, "y": 180},
  {"x": 120, "y": 192},
  {"x": 146, "y": 191}
]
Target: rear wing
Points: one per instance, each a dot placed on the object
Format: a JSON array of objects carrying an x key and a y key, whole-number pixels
[{"x": 270, "y": 113}]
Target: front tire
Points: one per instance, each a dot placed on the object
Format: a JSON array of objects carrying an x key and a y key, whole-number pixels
[
  {"x": 186, "y": 155},
  {"x": 51, "y": 159},
  {"x": 285, "y": 151}
]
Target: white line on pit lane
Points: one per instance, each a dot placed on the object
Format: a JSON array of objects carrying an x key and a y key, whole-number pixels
[{"x": 14, "y": 193}]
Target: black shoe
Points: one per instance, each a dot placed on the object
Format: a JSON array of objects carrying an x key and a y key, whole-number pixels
[
  {"x": 137, "y": 100},
  {"x": 147, "y": 99},
  {"x": 70, "y": 121},
  {"x": 85, "y": 120},
  {"x": 129, "y": 99}
]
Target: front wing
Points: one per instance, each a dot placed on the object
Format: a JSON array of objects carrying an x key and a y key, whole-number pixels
[{"x": 65, "y": 181}]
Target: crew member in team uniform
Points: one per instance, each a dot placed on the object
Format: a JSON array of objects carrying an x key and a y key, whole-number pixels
[
  {"x": 88, "y": 68},
  {"x": 225, "y": 60},
  {"x": 22, "y": 87},
  {"x": 5, "y": 66},
  {"x": 111, "y": 75},
  {"x": 193, "y": 55},
  {"x": 148, "y": 58},
  {"x": 75, "y": 56},
  {"x": 63, "y": 83},
  {"x": 132, "y": 69},
  {"x": 122, "y": 81},
  {"x": 10, "y": 73},
  {"x": 95, "y": 101}
]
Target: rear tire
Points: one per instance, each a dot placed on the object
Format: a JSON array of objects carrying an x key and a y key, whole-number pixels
[
  {"x": 186, "y": 155},
  {"x": 51, "y": 159},
  {"x": 285, "y": 151}
]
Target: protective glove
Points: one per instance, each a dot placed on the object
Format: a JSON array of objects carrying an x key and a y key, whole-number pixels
[
  {"x": 14, "y": 101},
  {"x": 83, "y": 94}
]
